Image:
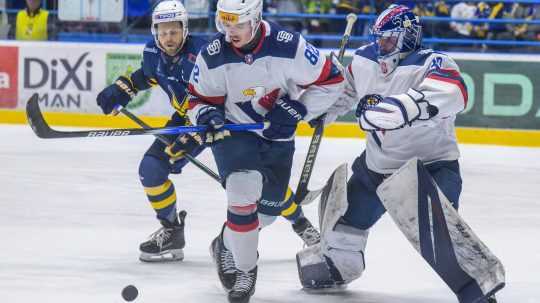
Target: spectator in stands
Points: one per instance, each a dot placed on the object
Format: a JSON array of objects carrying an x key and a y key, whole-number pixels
[
  {"x": 287, "y": 7},
  {"x": 463, "y": 10},
  {"x": 198, "y": 15},
  {"x": 535, "y": 28},
  {"x": 487, "y": 11},
  {"x": 318, "y": 25},
  {"x": 441, "y": 9},
  {"x": 33, "y": 22},
  {"x": 526, "y": 32}
]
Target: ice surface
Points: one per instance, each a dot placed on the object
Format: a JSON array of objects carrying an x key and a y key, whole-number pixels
[{"x": 73, "y": 214}]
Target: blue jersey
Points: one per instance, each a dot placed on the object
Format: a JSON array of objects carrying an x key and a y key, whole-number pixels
[{"x": 170, "y": 73}]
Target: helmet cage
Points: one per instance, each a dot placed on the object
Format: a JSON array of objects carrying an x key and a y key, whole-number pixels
[
  {"x": 396, "y": 33},
  {"x": 407, "y": 39}
]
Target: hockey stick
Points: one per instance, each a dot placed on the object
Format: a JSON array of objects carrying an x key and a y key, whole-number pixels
[
  {"x": 43, "y": 130},
  {"x": 166, "y": 141},
  {"x": 302, "y": 191}
]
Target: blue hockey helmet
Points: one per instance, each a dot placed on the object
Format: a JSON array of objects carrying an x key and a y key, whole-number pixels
[{"x": 396, "y": 33}]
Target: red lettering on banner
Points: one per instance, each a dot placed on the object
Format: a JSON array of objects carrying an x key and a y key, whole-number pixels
[{"x": 9, "y": 73}]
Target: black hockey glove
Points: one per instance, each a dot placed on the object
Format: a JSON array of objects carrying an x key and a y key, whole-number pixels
[
  {"x": 118, "y": 93},
  {"x": 214, "y": 118},
  {"x": 284, "y": 118},
  {"x": 185, "y": 143}
]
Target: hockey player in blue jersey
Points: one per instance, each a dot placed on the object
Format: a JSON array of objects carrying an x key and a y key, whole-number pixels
[
  {"x": 407, "y": 100},
  {"x": 253, "y": 71},
  {"x": 167, "y": 62}
]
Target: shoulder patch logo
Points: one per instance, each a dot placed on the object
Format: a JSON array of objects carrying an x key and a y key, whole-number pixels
[
  {"x": 436, "y": 63},
  {"x": 284, "y": 36},
  {"x": 214, "y": 47}
]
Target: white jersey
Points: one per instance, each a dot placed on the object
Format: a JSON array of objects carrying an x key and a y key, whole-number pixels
[
  {"x": 437, "y": 76},
  {"x": 283, "y": 62}
]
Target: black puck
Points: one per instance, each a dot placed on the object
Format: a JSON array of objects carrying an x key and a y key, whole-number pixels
[{"x": 130, "y": 293}]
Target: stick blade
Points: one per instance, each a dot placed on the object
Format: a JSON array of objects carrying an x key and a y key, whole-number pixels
[
  {"x": 35, "y": 118},
  {"x": 310, "y": 196}
]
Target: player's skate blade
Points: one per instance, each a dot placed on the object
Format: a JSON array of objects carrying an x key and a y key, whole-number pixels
[
  {"x": 244, "y": 286},
  {"x": 326, "y": 290},
  {"x": 173, "y": 255}
]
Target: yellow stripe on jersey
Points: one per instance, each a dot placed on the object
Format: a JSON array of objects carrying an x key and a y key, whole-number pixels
[{"x": 158, "y": 190}]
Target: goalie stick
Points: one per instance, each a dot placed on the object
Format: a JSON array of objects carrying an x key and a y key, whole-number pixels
[
  {"x": 44, "y": 131},
  {"x": 302, "y": 190}
]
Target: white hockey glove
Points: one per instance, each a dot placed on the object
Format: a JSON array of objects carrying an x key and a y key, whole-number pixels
[{"x": 393, "y": 112}]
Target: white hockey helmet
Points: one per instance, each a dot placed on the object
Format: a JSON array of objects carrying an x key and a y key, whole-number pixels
[
  {"x": 239, "y": 11},
  {"x": 169, "y": 11}
]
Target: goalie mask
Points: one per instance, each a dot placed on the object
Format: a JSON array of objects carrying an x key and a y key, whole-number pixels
[
  {"x": 236, "y": 12},
  {"x": 396, "y": 33},
  {"x": 169, "y": 11}
]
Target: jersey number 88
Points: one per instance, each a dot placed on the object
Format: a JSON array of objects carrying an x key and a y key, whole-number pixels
[{"x": 311, "y": 54}]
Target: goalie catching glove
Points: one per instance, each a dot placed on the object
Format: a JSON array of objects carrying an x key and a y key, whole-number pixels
[
  {"x": 118, "y": 93},
  {"x": 393, "y": 112}
]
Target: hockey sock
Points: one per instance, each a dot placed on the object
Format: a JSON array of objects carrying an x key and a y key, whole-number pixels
[
  {"x": 291, "y": 211},
  {"x": 163, "y": 201}
]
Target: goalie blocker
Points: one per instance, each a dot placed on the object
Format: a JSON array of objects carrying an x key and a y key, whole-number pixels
[{"x": 426, "y": 218}]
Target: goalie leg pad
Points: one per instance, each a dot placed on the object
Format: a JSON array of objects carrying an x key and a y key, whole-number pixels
[
  {"x": 316, "y": 272},
  {"x": 339, "y": 262},
  {"x": 435, "y": 229}
]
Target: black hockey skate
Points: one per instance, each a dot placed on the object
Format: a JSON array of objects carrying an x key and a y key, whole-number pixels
[
  {"x": 224, "y": 261},
  {"x": 306, "y": 231},
  {"x": 166, "y": 244},
  {"x": 244, "y": 287}
]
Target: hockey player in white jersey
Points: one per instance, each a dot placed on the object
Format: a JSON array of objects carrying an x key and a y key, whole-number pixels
[
  {"x": 407, "y": 100},
  {"x": 255, "y": 71}
]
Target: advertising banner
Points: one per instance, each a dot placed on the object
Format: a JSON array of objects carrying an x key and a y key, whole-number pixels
[
  {"x": 65, "y": 79},
  {"x": 9, "y": 77},
  {"x": 68, "y": 77}
]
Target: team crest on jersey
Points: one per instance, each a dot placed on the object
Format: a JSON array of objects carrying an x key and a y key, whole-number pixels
[
  {"x": 384, "y": 68},
  {"x": 192, "y": 58},
  {"x": 249, "y": 59},
  {"x": 214, "y": 47},
  {"x": 284, "y": 36},
  {"x": 253, "y": 91}
]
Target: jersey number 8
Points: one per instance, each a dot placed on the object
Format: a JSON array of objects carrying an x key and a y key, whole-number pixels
[{"x": 312, "y": 54}]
